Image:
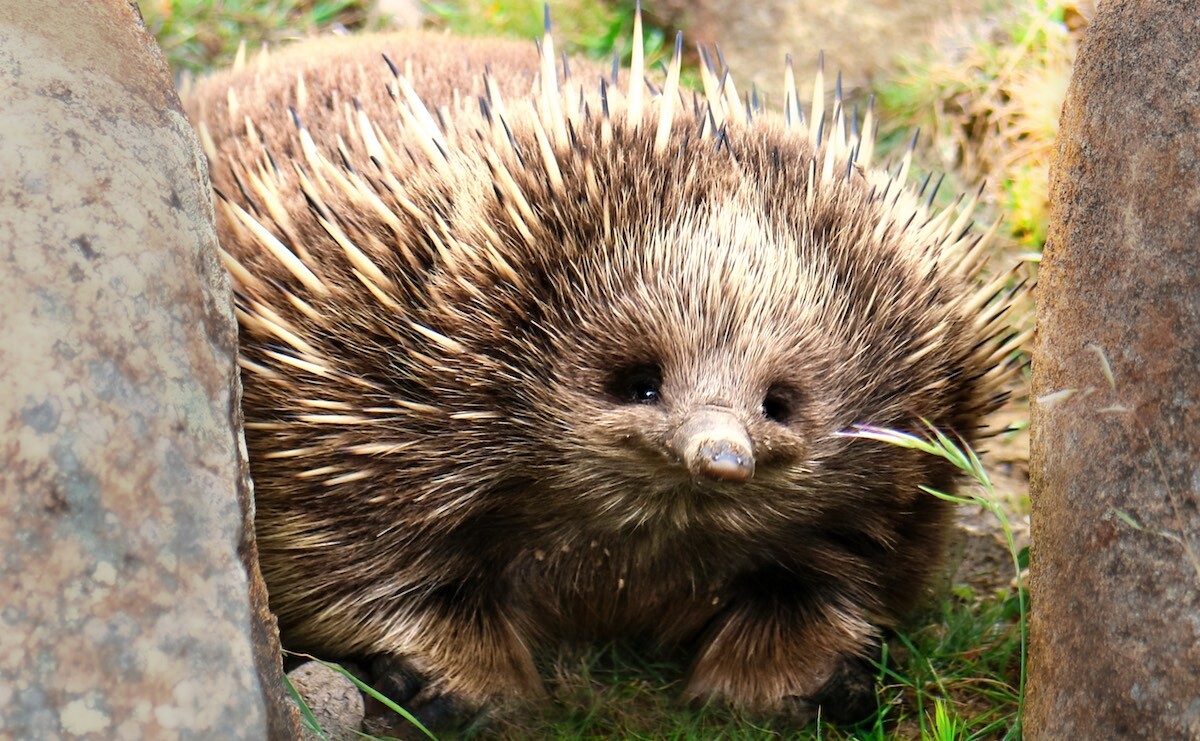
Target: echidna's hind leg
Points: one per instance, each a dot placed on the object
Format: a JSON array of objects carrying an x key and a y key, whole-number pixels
[{"x": 785, "y": 651}]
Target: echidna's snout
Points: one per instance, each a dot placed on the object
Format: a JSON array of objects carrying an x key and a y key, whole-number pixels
[{"x": 713, "y": 443}]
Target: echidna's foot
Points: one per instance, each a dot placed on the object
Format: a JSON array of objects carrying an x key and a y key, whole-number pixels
[
  {"x": 398, "y": 679},
  {"x": 840, "y": 689},
  {"x": 850, "y": 695},
  {"x": 794, "y": 661}
]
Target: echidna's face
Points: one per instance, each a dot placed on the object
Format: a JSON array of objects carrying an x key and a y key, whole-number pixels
[{"x": 700, "y": 385}]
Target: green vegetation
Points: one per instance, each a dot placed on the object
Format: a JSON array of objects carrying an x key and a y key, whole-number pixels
[
  {"x": 587, "y": 27},
  {"x": 962, "y": 457},
  {"x": 989, "y": 111},
  {"x": 197, "y": 35}
]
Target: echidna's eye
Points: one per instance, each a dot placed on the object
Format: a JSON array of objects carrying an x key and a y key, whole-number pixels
[
  {"x": 777, "y": 405},
  {"x": 637, "y": 384}
]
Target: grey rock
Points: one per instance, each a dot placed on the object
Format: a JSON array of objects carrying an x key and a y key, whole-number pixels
[
  {"x": 858, "y": 38},
  {"x": 125, "y": 602},
  {"x": 1115, "y": 452},
  {"x": 335, "y": 701}
]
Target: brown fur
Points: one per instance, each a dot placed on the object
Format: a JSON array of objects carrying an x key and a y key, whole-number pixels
[{"x": 450, "y": 471}]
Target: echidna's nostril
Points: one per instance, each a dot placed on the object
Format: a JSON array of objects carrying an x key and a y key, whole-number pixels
[
  {"x": 725, "y": 461},
  {"x": 712, "y": 442}
]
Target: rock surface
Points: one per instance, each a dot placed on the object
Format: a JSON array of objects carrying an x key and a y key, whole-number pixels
[
  {"x": 124, "y": 602},
  {"x": 334, "y": 700},
  {"x": 1115, "y": 641},
  {"x": 858, "y": 38}
]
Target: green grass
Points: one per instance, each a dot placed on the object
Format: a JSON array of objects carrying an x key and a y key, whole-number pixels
[
  {"x": 954, "y": 672},
  {"x": 197, "y": 35},
  {"x": 964, "y": 659},
  {"x": 587, "y": 27},
  {"x": 988, "y": 674}
]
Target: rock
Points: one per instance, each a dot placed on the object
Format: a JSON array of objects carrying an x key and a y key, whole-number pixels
[
  {"x": 401, "y": 13},
  {"x": 334, "y": 700},
  {"x": 858, "y": 38},
  {"x": 125, "y": 610},
  {"x": 1115, "y": 456}
]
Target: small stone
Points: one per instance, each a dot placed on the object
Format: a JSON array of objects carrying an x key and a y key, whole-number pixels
[{"x": 334, "y": 700}]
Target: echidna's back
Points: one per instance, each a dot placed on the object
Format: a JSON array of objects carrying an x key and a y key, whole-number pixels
[{"x": 341, "y": 71}]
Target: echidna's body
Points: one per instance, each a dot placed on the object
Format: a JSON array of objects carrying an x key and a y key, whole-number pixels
[{"x": 539, "y": 366}]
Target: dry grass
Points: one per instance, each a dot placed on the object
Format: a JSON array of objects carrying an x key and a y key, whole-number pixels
[{"x": 988, "y": 103}]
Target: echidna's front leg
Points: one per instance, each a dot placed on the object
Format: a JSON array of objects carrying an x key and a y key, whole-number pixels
[
  {"x": 780, "y": 655},
  {"x": 446, "y": 668}
]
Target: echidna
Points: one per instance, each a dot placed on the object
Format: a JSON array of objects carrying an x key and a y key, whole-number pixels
[{"x": 530, "y": 357}]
